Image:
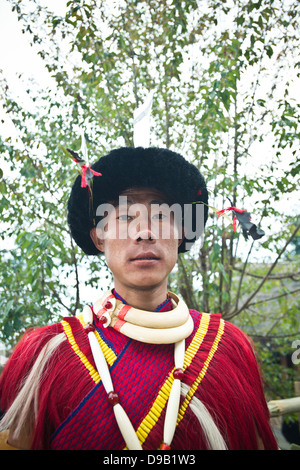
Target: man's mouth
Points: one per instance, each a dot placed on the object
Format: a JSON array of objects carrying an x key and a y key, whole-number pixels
[{"x": 145, "y": 256}]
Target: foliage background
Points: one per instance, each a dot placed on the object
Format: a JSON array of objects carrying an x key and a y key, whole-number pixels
[{"x": 225, "y": 76}]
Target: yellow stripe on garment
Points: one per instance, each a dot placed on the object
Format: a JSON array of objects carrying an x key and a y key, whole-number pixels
[
  {"x": 92, "y": 371},
  {"x": 108, "y": 353},
  {"x": 155, "y": 412},
  {"x": 202, "y": 373}
]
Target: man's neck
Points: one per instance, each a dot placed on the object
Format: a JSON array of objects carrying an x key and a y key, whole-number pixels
[{"x": 142, "y": 298}]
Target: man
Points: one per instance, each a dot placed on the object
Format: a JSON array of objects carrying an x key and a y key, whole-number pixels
[{"x": 137, "y": 370}]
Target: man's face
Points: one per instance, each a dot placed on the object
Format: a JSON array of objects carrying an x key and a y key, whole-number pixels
[{"x": 140, "y": 239}]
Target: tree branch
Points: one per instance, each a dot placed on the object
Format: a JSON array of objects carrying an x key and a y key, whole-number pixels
[
  {"x": 270, "y": 337},
  {"x": 247, "y": 302},
  {"x": 274, "y": 298},
  {"x": 186, "y": 289},
  {"x": 56, "y": 295},
  {"x": 273, "y": 277},
  {"x": 243, "y": 271}
]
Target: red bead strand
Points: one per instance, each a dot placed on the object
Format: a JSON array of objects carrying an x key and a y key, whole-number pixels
[
  {"x": 178, "y": 374},
  {"x": 113, "y": 398},
  {"x": 89, "y": 328},
  {"x": 165, "y": 447}
]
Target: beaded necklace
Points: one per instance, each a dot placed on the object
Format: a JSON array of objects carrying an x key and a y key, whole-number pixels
[{"x": 111, "y": 311}]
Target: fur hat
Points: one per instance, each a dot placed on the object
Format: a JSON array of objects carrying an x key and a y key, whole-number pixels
[{"x": 128, "y": 167}]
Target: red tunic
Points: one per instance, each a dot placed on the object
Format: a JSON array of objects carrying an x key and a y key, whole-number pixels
[{"x": 220, "y": 369}]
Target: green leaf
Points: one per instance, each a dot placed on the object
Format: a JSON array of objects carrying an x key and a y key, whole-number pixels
[{"x": 269, "y": 51}]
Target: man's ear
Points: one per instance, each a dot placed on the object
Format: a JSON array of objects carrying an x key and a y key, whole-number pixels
[{"x": 95, "y": 235}]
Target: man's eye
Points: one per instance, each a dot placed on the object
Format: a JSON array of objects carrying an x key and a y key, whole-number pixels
[
  {"x": 123, "y": 217},
  {"x": 159, "y": 216}
]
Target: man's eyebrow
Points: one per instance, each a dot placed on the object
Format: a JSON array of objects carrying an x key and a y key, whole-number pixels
[
  {"x": 117, "y": 203},
  {"x": 129, "y": 202},
  {"x": 160, "y": 202}
]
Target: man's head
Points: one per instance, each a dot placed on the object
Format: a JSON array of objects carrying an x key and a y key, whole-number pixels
[{"x": 126, "y": 168}]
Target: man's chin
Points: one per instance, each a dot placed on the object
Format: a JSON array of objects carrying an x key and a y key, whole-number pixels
[{"x": 145, "y": 283}]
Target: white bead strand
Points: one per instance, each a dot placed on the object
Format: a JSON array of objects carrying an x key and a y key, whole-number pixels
[
  {"x": 124, "y": 424},
  {"x": 172, "y": 412},
  {"x": 126, "y": 428},
  {"x": 100, "y": 362},
  {"x": 87, "y": 315},
  {"x": 174, "y": 398},
  {"x": 179, "y": 352}
]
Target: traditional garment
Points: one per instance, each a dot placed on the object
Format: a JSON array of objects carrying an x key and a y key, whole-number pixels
[{"x": 220, "y": 369}]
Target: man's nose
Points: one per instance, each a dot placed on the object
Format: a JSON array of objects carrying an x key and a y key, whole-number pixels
[
  {"x": 145, "y": 235},
  {"x": 144, "y": 230}
]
